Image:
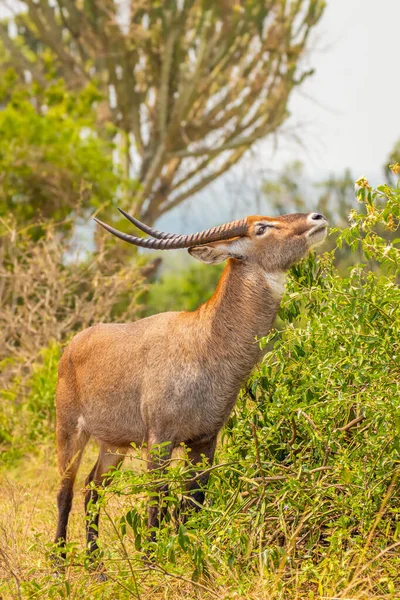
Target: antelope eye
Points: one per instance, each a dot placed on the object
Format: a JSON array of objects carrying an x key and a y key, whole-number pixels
[{"x": 263, "y": 228}]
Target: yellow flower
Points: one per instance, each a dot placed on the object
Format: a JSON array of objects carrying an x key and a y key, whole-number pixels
[
  {"x": 395, "y": 168},
  {"x": 363, "y": 183}
]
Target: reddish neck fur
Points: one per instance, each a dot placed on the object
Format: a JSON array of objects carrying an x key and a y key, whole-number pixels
[{"x": 241, "y": 310}]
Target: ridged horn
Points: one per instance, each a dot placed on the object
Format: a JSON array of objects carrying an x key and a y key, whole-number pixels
[
  {"x": 214, "y": 234},
  {"x": 160, "y": 235}
]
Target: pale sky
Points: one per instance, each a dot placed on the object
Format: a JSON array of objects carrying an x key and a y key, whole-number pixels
[{"x": 348, "y": 112}]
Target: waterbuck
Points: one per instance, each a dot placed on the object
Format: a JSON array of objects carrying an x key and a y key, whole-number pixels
[{"x": 174, "y": 377}]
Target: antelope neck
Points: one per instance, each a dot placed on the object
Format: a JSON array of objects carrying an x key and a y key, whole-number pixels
[{"x": 244, "y": 304}]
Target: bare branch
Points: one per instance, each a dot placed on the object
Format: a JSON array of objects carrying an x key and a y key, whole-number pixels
[
  {"x": 165, "y": 77},
  {"x": 43, "y": 17},
  {"x": 233, "y": 159}
]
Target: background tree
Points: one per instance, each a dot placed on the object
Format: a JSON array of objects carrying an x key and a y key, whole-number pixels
[
  {"x": 53, "y": 165},
  {"x": 192, "y": 84}
]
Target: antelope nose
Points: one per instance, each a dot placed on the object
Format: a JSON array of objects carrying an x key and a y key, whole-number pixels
[{"x": 318, "y": 217}]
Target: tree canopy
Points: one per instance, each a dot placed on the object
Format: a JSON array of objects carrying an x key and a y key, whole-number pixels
[
  {"x": 52, "y": 162},
  {"x": 191, "y": 84}
]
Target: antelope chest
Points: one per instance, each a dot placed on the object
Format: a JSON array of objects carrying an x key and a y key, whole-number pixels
[{"x": 195, "y": 401}]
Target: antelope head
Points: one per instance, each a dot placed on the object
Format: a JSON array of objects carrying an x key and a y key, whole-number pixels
[{"x": 272, "y": 243}]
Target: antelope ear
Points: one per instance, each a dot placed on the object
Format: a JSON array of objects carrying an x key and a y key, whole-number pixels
[{"x": 213, "y": 254}]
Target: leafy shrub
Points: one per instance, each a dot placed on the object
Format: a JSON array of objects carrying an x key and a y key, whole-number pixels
[
  {"x": 393, "y": 162},
  {"x": 27, "y": 414},
  {"x": 52, "y": 162}
]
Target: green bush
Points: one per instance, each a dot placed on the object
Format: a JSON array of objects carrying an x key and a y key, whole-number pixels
[
  {"x": 27, "y": 415},
  {"x": 52, "y": 161}
]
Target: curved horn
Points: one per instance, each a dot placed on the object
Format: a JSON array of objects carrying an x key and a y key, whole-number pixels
[
  {"x": 160, "y": 235},
  {"x": 215, "y": 234}
]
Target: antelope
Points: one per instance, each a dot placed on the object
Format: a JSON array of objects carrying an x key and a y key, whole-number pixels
[{"x": 174, "y": 377}]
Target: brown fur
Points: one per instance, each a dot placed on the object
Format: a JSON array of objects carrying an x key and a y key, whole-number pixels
[{"x": 174, "y": 377}]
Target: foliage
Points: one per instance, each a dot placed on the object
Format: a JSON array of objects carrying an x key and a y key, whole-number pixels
[
  {"x": 304, "y": 499},
  {"x": 192, "y": 84},
  {"x": 53, "y": 164},
  {"x": 25, "y": 423},
  {"x": 382, "y": 207}
]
